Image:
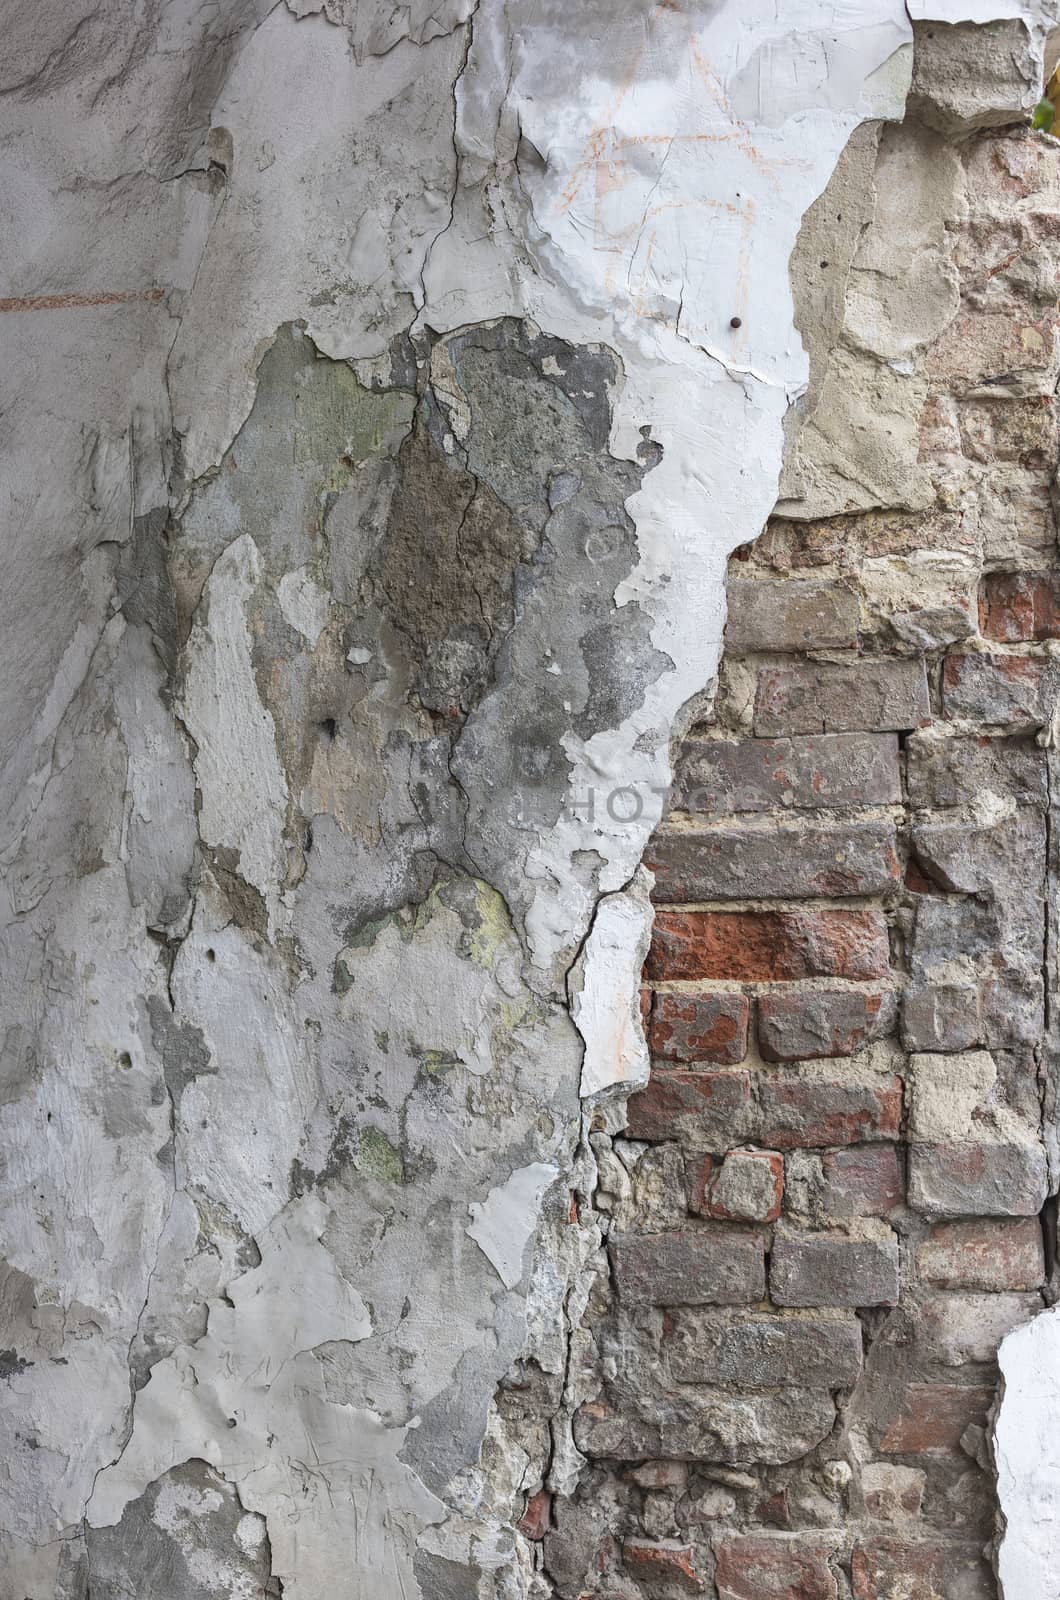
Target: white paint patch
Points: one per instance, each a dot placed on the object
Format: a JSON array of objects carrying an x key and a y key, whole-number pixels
[
  {"x": 503, "y": 1224},
  {"x": 244, "y": 795},
  {"x": 1027, "y": 1450},
  {"x": 605, "y": 990},
  {"x": 304, "y": 604}
]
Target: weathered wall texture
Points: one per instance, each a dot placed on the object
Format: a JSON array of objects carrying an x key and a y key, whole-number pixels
[
  {"x": 831, "y": 1203},
  {"x": 384, "y": 391}
]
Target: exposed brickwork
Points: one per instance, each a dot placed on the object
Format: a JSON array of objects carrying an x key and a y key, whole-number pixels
[{"x": 835, "y": 1174}]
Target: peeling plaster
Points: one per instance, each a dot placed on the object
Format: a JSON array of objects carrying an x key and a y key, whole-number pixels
[{"x": 312, "y": 816}]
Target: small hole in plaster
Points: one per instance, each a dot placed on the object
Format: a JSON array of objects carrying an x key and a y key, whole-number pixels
[
  {"x": 328, "y": 728},
  {"x": 125, "y": 1060},
  {"x": 211, "y": 955}
]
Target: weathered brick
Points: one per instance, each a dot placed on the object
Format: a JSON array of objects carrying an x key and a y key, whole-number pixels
[
  {"x": 774, "y": 1567},
  {"x": 873, "y": 694},
  {"x": 717, "y": 777},
  {"x": 759, "y": 1351},
  {"x": 704, "y": 1110},
  {"x": 950, "y": 772},
  {"x": 785, "y": 862},
  {"x": 1006, "y": 350},
  {"x": 707, "y": 1424},
  {"x": 1015, "y": 606},
  {"x": 816, "y": 1111},
  {"x": 821, "y": 1269},
  {"x": 663, "y": 1562},
  {"x": 537, "y": 1518},
  {"x": 983, "y": 1255},
  {"x": 995, "y": 1178},
  {"x": 925, "y": 600},
  {"x": 789, "y": 614},
  {"x": 892, "y": 1493},
  {"x": 957, "y": 1328},
  {"x": 690, "y": 1267},
  {"x": 1000, "y": 690},
  {"x": 882, "y": 1568},
  {"x": 819, "y": 1023},
  {"x": 764, "y": 946},
  {"x": 932, "y": 1417},
  {"x": 941, "y": 1016},
  {"x": 699, "y": 1027},
  {"x": 863, "y": 1181},
  {"x": 748, "y": 1186}
]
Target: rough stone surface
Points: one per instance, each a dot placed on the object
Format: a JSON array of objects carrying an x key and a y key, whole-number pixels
[{"x": 821, "y": 1270}]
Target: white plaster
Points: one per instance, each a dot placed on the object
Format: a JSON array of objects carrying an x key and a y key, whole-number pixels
[
  {"x": 304, "y": 603},
  {"x": 605, "y": 991},
  {"x": 244, "y": 794},
  {"x": 1027, "y": 1451},
  {"x": 503, "y": 1224}
]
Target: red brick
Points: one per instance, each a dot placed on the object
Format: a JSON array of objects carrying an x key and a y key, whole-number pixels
[
  {"x": 1002, "y": 1254},
  {"x": 748, "y": 1186},
  {"x": 860, "y": 1182},
  {"x": 699, "y": 1027},
  {"x": 537, "y": 1518},
  {"x": 774, "y": 1567},
  {"x": 886, "y": 1568},
  {"x": 999, "y": 690},
  {"x": 704, "y": 1110},
  {"x": 694, "y": 1266},
  {"x": 765, "y": 946},
  {"x": 1015, "y": 606},
  {"x": 821, "y": 1023},
  {"x": 816, "y": 1112},
  {"x": 663, "y": 1562},
  {"x": 933, "y": 1416}
]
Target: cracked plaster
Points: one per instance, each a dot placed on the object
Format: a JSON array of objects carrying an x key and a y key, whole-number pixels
[{"x": 307, "y": 826}]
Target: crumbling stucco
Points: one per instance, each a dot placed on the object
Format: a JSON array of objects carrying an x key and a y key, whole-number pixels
[{"x": 386, "y": 388}]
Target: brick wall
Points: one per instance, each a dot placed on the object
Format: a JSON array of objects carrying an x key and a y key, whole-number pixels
[{"x": 824, "y": 1209}]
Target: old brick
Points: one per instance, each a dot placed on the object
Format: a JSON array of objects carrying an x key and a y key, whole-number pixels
[
  {"x": 662, "y": 1563},
  {"x": 820, "y": 1269},
  {"x": 789, "y": 614},
  {"x": 941, "y": 1016},
  {"x": 873, "y": 694},
  {"x": 707, "y": 1424},
  {"x": 932, "y": 1417},
  {"x": 764, "y": 946},
  {"x": 537, "y": 1518},
  {"x": 863, "y": 1181},
  {"x": 892, "y": 1493},
  {"x": 925, "y": 600},
  {"x": 660, "y": 1475},
  {"x": 760, "y": 1351},
  {"x": 1012, "y": 353},
  {"x": 882, "y": 1568},
  {"x": 699, "y": 1027},
  {"x": 774, "y": 1567},
  {"x": 717, "y": 777},
  {"x": 704, "y": 1110},
  {"x": 1014, "y": 606},
  {"x": 950, "y": 772},
  {"x": 985, "y": 1178},
  {"x": 957, "y": 1328},
  {"x": 983, "y": 1255},
  {"x": 778, "y": 861},
  {"x": 690, "y": 1267},
  {"x": 748, "y": 1186},
  {"x": 817, "y": 1111},
  {"x": 1000, "y": 690},
  {"x": 818, "y": 1023}
]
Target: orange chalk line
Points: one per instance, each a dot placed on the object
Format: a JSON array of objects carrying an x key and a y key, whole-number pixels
[{"x": 66, "y": 302}]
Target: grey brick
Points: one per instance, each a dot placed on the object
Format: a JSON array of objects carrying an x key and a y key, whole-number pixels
[
  {"x": 790, "y": 614},
  {"x": 763, "y": 1352},
  {"x": 767, "y": 863},
  {"x": 815, "y": 1269},
  {"x": 690, "y": 1267},
  {"x": 874, "y": 693},
  {"x": 721, "y": 776}
]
